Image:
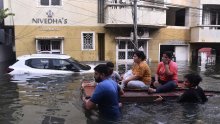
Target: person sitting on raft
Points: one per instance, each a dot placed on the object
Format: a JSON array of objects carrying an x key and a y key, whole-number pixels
[
  {"x": 166, "y": 76},
  {"x": 113, "y": 74},
  {"x": 140, "y": 74}
]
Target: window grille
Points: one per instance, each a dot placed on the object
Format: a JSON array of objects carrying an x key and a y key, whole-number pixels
[
  {"x": 130, "y": 54},
  {"x": 121, "y": 55},
  {"x": 55, "y": 45},
  {"x": 126, "y": 49},
  {"x": 88, "y": 41},
  {"x": 49, "y": 46}
]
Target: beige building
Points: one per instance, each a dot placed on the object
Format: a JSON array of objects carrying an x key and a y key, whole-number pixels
[{"x": 97, "y": 30}]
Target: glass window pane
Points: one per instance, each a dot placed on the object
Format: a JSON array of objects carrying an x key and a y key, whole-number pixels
[
  {"x": 121, "y": 55},
  {"x": 44, "y": 45},
  {"x": 39, "y": 63},
  {"x": 141, "y": 45},
  {"x": 56, "y": 2},
  {"x": 121, "y": 45},
  {"x": 130, "y": 54},
  {"x": 130, "y": 45},
  {"x": 44, "y": 2},
  {"x": 60, "y": 64},
  {"x": 55, "y": 45},
  {"x": 50, "y": 46}
]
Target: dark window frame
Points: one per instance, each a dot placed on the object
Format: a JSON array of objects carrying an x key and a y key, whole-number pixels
[
  {"x": 101, "y": 14},
  {"x": 51, "y": 2}
]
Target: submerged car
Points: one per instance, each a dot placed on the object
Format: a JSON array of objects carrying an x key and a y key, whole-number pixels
[{"x": 48, "y": 64}]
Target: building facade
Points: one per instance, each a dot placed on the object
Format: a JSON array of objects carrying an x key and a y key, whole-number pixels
[{"x": 102, "y": 30}]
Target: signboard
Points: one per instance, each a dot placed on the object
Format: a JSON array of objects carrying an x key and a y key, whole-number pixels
[{"x": 49, "y": 19}]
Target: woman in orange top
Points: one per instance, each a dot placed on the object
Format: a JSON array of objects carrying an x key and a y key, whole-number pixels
[
  {"x": 166, "y": 76},
  {"x": 140, "y": 74}
]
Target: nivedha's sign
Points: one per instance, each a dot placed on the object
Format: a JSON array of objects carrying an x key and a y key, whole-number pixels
[{"x": 49, "y": 20}]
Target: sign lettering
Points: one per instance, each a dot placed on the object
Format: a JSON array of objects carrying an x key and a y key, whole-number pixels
[{"x": 49, "y": 20}]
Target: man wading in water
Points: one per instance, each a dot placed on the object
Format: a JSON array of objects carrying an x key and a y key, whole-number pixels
[{"x": 106, "y": 95}]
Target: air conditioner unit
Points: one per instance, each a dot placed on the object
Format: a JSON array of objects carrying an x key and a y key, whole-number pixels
[{"x": 143, "y": 32}]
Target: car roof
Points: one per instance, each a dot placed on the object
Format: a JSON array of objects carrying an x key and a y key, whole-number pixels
[{"x": 55, "y": 56}]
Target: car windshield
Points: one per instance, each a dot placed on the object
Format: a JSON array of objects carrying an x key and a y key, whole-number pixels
[{"x": 79, "y": 65}]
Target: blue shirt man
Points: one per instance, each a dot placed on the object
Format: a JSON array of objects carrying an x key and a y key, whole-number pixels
[{"x": 106, "y": 95}]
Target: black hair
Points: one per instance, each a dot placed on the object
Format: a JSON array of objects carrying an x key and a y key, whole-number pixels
[
  {"x": 194, "y": 79},
  {"x": 140, "y": 54},
  {"x": 110, "y": 64},
  {"x": 169, "y": 54},
  {"x": 110, "y": 67},
  {"x": 102, "y": 69}
]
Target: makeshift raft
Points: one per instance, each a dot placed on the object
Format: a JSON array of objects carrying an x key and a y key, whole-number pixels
[{"x": 139, "y": 95}]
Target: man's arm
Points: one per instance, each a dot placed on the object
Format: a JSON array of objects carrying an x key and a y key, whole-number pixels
[
  {"x": 118, "y": 77},
  {"x": 88, "y": 104},
  {"x": 120, "y": 90}
]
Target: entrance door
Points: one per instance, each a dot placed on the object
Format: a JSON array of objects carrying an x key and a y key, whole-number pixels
[
  {"x": 101, "y": 46},
  {"x": 181, "y": 53},
  {"x": 164, "y": 48}
]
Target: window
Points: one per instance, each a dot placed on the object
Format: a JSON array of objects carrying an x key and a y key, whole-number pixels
[
  {"x": 50, "y": 2},
  {"x": 176, "y": 16},
  {"x": 60, "y": 64},
  {"x": 211, "y": 15},
  {"x": 88, "y": 41},
  {"x": 101, "y": 11},
  {"x": 53, "y": 46},
  {"x": 38, "y": 63},
  {"x": 126, "y": 49},
  {"x": 79, "y": 65}
]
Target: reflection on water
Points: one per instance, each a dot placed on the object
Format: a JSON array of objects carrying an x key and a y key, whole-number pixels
[
  {"x": 55, "y": 99},
  {"x": 47, "y": 100},
  {"x": 172, "y": 113}
]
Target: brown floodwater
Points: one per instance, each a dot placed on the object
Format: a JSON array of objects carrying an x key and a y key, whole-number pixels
[{"x": 55, "y": 99}]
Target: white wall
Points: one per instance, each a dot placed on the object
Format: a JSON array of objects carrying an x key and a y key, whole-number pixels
[
  {"x": 205, "y": 34},
  {"x": 210, "y": 1},
  {"x": 145, "y": 16},
  {"x": 76, "y": 12},
  {"x": 193, "y": 3}
]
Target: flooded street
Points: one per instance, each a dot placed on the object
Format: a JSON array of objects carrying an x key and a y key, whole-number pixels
[
  {"x": 43, "y": 100},
  {"x": 55, "y": 99}
]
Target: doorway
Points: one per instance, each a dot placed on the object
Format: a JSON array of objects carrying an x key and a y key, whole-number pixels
[
  {"x": 180, "y": 52},
  {"x": 101, "y": 46}
]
